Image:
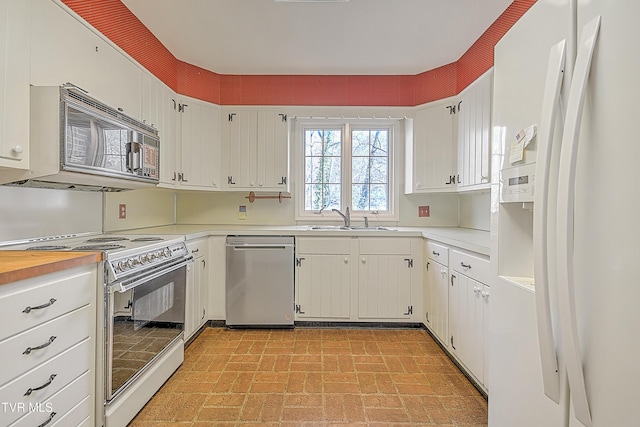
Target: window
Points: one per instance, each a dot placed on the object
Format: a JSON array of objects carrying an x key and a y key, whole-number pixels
[{"x": 346, "y": 164}]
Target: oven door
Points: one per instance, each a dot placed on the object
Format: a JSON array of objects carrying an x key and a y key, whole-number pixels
[{"x": 143, "y": 318}]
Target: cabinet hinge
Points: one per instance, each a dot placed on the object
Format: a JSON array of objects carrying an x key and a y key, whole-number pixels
[
  {"x": 298, "y": 309},
  {"x": 231, "y": 116},
  {"x": 181, "y": 107},
  {"x": 299, "y": 262},
  {"x": 230, "y": 180},
  {"x": 409, "y": 262},
  {"x": 283, "y": 180},
  {"x": 283, "y": 117},
  {"x": 452, "y": 109},
  {"x": 409, "y": 310}
]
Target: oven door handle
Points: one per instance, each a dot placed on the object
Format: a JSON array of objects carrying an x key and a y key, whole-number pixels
[{"x": 126, "y": 285}]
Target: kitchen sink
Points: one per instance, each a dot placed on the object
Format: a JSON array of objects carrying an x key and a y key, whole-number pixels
[{"x": 352, "y": 228}]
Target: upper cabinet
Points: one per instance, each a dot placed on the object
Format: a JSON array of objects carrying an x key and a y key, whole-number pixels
[
  {"x": 431, "y": 154},
  {"x": 256, "y": 149},
  {"x": 64, "y": 49},
  {"x": 14, "y": 88},
  {"x": 474, "y": 122}
]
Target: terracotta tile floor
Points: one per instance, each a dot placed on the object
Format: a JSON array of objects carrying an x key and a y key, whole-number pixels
[{"x": 315, "y": 377}]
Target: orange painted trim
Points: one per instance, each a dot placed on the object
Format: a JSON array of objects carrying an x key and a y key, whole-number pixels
[{"x": 113, "y": 19}]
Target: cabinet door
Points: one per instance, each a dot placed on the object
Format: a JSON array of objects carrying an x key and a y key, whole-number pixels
[
  {"x": 170, "y": 135},
  {"x": 63, "y": 49},
  {"x": 438, "y": 288},
  {"x": 14, "y": 85},
  {"x": 384, "y": 286},
  {"x": 199, "y": 145},
  {"x": 240, "y": 136},
  {"x": 273, "y": 151},
  {"x": 323, "y": 286},
  {"x": 432, "y": 155},
  {"x": 474, "y": 121},
  {"x": 190, "y": 302}
]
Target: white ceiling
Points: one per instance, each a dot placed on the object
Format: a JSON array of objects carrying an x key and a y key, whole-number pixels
[{"x": 369, "y": 37}]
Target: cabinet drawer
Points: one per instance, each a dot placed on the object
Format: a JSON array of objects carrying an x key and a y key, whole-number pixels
[
  {"x": 438, "y": 253},
  {"x": 49, "y": 378},
  {"x": 475, "y": 266},
  {"x": 80, "y": 415},
  {"x": 324, "y": 246},
  {"x": 198, "y": 247},
  {"x": 21, "y": 299},
  {"x": 384, "y": 246},
  {"x": 54, "y": 337},
  {"x": 62, "y": 404}
]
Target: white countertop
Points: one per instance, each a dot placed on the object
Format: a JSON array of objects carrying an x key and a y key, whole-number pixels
[{"x": 465, "y": 238}]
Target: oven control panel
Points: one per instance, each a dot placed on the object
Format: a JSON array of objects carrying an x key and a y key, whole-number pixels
[{"x": 147, "y": 258}]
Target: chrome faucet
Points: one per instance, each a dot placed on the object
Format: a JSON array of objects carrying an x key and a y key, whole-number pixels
[{"x": 346, "y": 216}]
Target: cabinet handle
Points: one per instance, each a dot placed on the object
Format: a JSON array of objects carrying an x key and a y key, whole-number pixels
[
  {"x": 202, "y": 318},
  {"x": 194, "y": 251},
  {"x": 40, "y": 347},
  {"x": 39, "y": 307},
  {"x": 364, "y": 260},
  {"x": 428, "y": 266},
  {"x": 465, "y": 265},
  {"x": 174, "y": 177},
  {"x": 53, "y": 414},
  {"x": 183, "y": 177},
  {"x": 485, "y": 294},
  {"x": 452, "y": 346},
  {"x": 230, "y": 180},
  {"x": 443, "y": 273},
  {"x": 45, "y": 385},
  {"x": 435, "y": 253},
  {"x": 17, "y": 149},
  {"x": 346, "y": 260}
]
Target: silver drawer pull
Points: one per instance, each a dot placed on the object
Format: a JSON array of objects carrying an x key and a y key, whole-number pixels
[
  {"x": 40, "y": 347},
  {"x": 38, "y": 307},
  {"x": 465, "y": 266},
  {"x": 45, "y": 385},
  {"x": 53, "y": 414}
]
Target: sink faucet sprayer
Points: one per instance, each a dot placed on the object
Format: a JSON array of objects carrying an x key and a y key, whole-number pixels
[{"x": 345, "y": 216}]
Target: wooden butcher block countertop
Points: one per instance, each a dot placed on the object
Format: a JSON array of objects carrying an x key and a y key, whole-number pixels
[{"x": 20, "y": 265}]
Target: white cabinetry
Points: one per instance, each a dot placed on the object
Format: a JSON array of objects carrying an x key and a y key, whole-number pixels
[
  {"x": 469, "y": 311},
  {"x": 197, "y": 144},
  {"x": 64, "y": 49},
  {"x": 474, "y": 123},
  {"x": 384, "y": 278},
  {"x": 436, "y": 298},
  {"x": 14, "y": 88},
  {"x": 48, "y": 343},
  {"x": 257, "y": 150},
  {"x": 196, "y": 306},
  {"x": 323, "y": 278},
  {"x": 431, "y": 155}
]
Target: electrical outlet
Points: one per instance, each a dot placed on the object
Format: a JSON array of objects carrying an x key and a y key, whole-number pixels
[
  {"x": 122, "y": 211},
  {"x": 423, "y": 211},
  {"x": 242, "y": 212}
]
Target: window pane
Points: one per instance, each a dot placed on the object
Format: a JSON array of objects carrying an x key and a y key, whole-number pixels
[
  {"x": 313, "y": 197},
  {"x": 332, "y": 142},
  {"x": 313, "y": 143},
  {"x": 360, "y": 170},
  {"x": 360, "y": 197},
  {"x": 379, "y": 172},
  {"x": 313, "y": 169},
  {"x": 331, "y": 170},
  {"x": 360, "y": 143},
  {"x": 380, "y": 142},
  {"x": 332, "y": 196},
  {"x": 379, "y": 197}
]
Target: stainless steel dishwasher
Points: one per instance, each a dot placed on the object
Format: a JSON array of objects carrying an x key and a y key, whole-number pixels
[{"x": 259, "y": 282}]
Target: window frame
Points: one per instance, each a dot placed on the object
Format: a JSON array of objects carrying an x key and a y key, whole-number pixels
[{"x": 347, "y": 125}]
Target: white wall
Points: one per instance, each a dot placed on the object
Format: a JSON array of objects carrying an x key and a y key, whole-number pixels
[
  {"x": 145, "y": 208},
  {"x": 475, "y": 210}
]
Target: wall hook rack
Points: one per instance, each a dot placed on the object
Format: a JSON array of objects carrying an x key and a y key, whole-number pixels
[{"x": 252, "y": 197}]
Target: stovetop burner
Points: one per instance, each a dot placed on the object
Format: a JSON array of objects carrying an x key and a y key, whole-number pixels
[
  {"x": 48, "y": 248},
  {"x": 97, "y": 247},
  {"x": 106, "y": 239},
  {"x": 147, "y": 239}
]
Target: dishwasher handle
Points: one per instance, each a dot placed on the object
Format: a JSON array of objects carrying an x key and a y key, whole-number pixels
[{"x": 260, "y": 247}]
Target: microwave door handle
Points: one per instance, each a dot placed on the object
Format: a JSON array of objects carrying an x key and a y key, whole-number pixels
[{"x": 133, "y": 156}]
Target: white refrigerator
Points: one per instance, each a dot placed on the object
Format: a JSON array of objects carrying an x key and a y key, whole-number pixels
[{"x": 564, "y": 334}]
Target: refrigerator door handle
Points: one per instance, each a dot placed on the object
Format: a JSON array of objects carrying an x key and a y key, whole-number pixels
[
  {"x": 566, "y": 200},
  {"x": 550, "y": 104}
]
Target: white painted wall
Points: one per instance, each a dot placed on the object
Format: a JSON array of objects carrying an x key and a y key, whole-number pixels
[
  {"x": 475, "y": 210},
  {"x": 145, "y": 208}
]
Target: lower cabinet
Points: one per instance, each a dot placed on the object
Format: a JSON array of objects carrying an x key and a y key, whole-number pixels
[
  {"x": 196, "y": 305},
  {"x": 49, "y": 348},
  {"x": 361, "y": 279},
  {"x": 323, "y": 277},
  {"x": 457, "y": 305}
]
